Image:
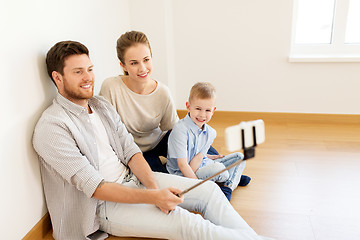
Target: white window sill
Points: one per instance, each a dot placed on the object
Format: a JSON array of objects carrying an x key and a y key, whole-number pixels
[{"x": 323, "y": 58}]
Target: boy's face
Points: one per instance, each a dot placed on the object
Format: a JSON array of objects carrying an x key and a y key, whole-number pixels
[{"x": 201, "y": 110}]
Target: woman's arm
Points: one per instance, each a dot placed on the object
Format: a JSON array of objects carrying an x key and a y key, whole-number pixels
[
  {"x": 170, "y": 116},
  {"x": 142, "y": 171}
]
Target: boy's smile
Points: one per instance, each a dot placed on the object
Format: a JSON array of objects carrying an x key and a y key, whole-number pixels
[{"x": 201, "y": 110}]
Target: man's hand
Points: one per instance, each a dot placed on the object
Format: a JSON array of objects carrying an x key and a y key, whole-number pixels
[
  {"x": 213, "y": 157},
  {"x": 166, "y": 199}
]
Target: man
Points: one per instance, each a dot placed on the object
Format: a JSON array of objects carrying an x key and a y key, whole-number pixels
[{"x": 95, "y": 177}]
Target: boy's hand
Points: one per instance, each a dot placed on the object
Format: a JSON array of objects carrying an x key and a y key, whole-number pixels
[
  {"x": 213, "y": 157},
  {"x": 167, "y": 199}
]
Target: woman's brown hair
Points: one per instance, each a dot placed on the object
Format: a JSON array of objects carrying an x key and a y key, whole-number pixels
[{"x": 128, "y": 40}]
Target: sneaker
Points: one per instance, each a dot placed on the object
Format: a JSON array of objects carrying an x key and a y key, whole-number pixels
[{"x": 244, "y": 181}]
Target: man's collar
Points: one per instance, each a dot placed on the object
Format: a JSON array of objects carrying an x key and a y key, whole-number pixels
[{"x": 73, "y": 107}]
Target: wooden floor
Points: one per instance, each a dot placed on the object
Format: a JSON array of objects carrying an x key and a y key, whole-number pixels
[{"x": 305, "y": 178}]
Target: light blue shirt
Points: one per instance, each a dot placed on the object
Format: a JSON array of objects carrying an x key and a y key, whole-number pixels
[{"x": 186, "y": 140}]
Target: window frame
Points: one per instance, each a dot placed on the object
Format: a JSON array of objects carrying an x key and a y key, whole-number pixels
[{"x": 336, "y": 51}]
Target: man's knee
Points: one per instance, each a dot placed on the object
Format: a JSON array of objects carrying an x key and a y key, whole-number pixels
[{"x": 210, "y": 185}]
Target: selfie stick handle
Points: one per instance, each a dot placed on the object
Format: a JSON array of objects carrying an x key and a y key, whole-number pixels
[{"x": 199, "y": 183}]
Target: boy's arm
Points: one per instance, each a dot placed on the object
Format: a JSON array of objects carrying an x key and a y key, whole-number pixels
[
  {"x": 196, "y": 161},
  {"x": 213, "y": 157},
  {"x": 185, "y": 168}
]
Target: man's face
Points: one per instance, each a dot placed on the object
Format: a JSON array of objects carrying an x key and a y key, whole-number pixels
[
  {"x": 77, "y": 82},
  {"x": 201, "y": 110}
]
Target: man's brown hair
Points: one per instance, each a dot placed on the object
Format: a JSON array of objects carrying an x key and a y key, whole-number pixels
[{"x": 56, "y": 56}]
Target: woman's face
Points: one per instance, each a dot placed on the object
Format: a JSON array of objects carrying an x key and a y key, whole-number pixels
[{"x": 138, "y": 62}]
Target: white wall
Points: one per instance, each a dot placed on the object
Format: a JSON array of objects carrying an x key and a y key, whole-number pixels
[
  {"x": 154, "y": 18},
  {"x": 242, "y": 48},
  {"x": 28, "y": 30}
]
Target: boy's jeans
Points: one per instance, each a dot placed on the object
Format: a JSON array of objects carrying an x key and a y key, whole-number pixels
[
  {"x": 231, "y": 177},
  {"x": 219, "y": 220}
]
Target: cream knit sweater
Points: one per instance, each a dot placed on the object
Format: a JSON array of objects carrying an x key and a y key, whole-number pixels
[{"x": 146, "y": 117}]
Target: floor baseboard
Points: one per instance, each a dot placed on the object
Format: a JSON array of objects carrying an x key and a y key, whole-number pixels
[
  {"x": 39, "y": 231},
  {"x": 284, "y": 117}
]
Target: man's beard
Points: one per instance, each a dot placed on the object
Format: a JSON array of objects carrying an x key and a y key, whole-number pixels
[{"x": 78, "y": 95}]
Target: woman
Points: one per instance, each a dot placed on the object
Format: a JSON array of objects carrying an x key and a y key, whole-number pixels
[{"x": 144, "y": 104}]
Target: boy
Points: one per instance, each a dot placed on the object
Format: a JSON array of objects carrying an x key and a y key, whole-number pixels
[{"x": 191, "y": 138}]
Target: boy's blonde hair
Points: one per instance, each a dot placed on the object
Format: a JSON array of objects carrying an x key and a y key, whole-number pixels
[{"x": 202, "y": 90}]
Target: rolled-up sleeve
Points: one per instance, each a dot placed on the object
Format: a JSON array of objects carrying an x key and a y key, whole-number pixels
[{"x": 58, "y": 148}]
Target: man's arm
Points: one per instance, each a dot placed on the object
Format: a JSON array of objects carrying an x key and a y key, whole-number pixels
[{"x": 165, "y": 199}]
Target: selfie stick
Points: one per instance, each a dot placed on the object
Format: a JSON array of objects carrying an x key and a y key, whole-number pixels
[{"x": 199, "y": 183}]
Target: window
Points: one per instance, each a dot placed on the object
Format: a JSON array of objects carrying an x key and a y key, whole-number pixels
[
  {"x": 353, "y": 33},
  {"x": 326, "y": 31}
]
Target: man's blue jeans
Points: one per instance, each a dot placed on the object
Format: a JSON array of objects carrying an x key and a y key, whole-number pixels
[{"x": 231, "y": 177}]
